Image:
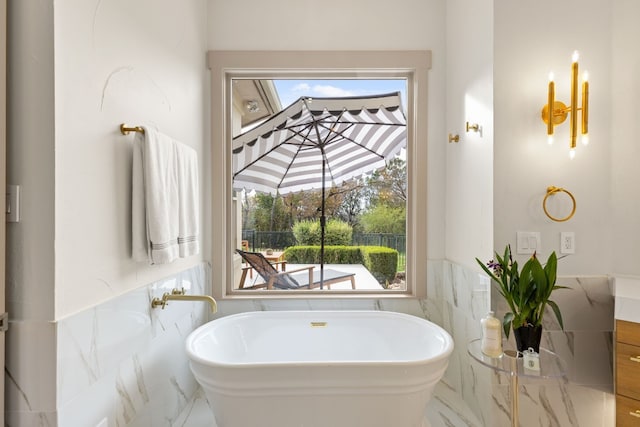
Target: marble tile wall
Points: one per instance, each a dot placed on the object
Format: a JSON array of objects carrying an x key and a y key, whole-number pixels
[
  {"x": 457, "y": 299},
  {"x": 121, "y": 361},
  {"x": 124, "y": 362},
  {"x": 30, "y": 374},
  {"x": 585, "y": 398}
]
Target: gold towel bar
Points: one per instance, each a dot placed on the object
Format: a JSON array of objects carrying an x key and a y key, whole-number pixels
[
  {"x": 124, "y": 129},
  {"x": 553, "y": 190}
]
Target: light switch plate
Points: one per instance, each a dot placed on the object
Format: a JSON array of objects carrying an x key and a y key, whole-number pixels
[
  {"x": 527, "y": 242},
  {"x": 12, "y": 205}
]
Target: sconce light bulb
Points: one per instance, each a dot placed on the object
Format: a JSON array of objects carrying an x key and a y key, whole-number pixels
[
  {"x": 585, "y": 139},
  {"x": 550, "y": 139},
  {"x": 575, "y": 56},
  {"x": 572, "y": 153},
  {"x": 585, "y": 76},
  {"x": 551, "y": 76}
]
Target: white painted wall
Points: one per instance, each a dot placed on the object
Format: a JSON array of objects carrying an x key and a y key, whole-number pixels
[
  {"x": 117, "y": 63},
  {"x": 625, "y": 128},
  {"x": 469, "y": 171},
  {"x": 30, "y": 157},
  {"x": 353, "y": 25},
  {"x": 113, "y": 65},
  {"x": 532, "y": 38},
  {"x": 78, "y": 70}
]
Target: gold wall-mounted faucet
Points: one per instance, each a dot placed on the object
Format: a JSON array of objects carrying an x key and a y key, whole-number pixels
[{"x": 179, "y": 295}]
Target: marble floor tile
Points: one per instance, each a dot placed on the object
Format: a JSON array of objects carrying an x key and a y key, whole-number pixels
[{"x": 446, "y": 409}]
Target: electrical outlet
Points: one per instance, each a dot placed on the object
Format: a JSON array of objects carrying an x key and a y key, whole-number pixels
[{"x": 567, "y": 242}]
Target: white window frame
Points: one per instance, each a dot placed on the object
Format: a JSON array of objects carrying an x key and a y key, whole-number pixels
[{"x": 226, "y": 65}]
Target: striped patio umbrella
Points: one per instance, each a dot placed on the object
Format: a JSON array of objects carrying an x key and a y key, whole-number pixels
[{"x": 319, "y": 142}]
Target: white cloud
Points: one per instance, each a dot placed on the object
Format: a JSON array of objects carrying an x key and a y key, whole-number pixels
[
  {"x": 319, "y": 90},
  {"x": 302, "y": 87},
  {"x": 331, "y": 91}
]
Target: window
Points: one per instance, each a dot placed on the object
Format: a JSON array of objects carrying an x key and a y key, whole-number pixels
[{"x": 236, "y": 72}]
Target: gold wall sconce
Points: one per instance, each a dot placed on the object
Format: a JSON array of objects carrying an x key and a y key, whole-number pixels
[{"x": 556, "y": 112}]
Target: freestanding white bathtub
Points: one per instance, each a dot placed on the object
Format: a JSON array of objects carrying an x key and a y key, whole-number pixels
[{"x": 319, "y": 368}]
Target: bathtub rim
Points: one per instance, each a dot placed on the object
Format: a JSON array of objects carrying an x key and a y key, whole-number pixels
[{"x": 444, "y": 356}]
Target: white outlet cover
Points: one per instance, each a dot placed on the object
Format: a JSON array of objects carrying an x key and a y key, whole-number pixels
[{"x": 567, "y": 242}]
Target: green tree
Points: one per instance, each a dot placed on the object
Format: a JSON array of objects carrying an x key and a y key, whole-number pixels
[
  {"x": 384, "y": 219},
  {"x": 307, "y": 232},
  {"x": 307, "y": 204},
  {"x": 269, "y": 213},
  {"x": 388, "y": 186},
  {"x": 347, "y": 202},
  {"x": 247, "y": 209},
  {"x": 351, "y": 195}
]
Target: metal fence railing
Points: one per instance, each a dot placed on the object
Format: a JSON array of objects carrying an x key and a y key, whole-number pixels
[{"x": 279, "y": 240}]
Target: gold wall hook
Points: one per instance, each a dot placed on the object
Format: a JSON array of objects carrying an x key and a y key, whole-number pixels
[
  {"x": 454, "y": 138},
  {"x": 473, "y": 127}
]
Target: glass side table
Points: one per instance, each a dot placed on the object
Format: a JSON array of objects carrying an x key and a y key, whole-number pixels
[{"x": 551, "y": 366}]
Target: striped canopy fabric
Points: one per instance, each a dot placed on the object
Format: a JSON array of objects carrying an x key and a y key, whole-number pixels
[{"x": 349, "y": 136}]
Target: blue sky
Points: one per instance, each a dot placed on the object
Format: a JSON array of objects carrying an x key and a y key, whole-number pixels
[{"x": 290, "y": 90}]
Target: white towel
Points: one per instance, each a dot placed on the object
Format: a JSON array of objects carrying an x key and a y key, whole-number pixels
[
  {"x": 164, "y": 199},
  {"x": 188, "y": 196},
  {"x": 139, "y": 241}
]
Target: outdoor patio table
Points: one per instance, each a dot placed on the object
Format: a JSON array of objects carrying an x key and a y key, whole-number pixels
[{"x": 275, "y": 256}]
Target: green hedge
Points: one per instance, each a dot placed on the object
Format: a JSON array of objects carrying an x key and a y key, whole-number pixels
[
  {"x": 307, "y": 232},
  {"x": 332, "y": 255},
  {"x": 379, "y": 260}
]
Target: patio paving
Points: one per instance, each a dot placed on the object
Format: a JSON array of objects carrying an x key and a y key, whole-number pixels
[{"x": 364, "y": 279}]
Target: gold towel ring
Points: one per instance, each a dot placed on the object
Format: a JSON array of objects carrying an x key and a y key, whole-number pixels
[{"x": 553, "y": 190}]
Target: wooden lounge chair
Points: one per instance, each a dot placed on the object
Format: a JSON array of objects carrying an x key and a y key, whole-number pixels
[
  {"x": 275, "y": 279},
  {"x": 245, "y": 247}
]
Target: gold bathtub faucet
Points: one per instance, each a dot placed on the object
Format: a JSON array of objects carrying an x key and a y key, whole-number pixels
[{"x": 179, "y": 295}]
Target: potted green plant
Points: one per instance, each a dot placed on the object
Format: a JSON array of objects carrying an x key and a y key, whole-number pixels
[{"x": 527, "y": 293}]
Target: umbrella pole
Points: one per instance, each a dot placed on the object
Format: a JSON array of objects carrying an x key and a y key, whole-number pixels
[{"x": 323, "y": 222}]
